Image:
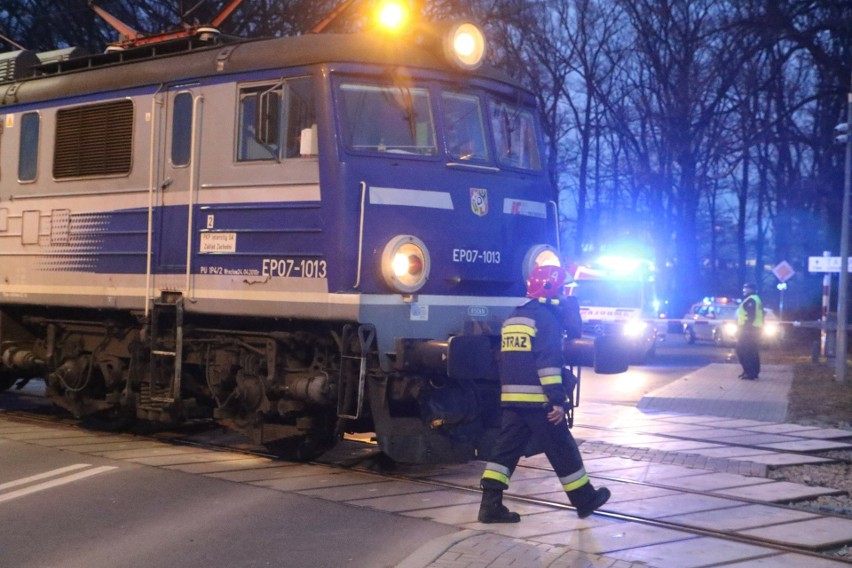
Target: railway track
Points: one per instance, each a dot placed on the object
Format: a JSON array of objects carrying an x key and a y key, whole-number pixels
[
  {"x": 362, "y": 457},
  {"x": 839, "y": 553},
  {"x": 719, "y": 534}
]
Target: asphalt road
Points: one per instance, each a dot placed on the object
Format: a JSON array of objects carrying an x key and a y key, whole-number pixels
[
  {"x": 674, "y": 359},
  {"x": 114, "y": 514}
]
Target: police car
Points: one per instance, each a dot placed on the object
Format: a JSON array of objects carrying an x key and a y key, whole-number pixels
[{"x": 715, "y": 319}]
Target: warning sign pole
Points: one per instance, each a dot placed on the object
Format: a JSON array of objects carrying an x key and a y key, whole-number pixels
[{"x": 826, "y": 298}]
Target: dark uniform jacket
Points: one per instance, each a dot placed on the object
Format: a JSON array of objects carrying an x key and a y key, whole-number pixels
[{"x": 531, "y": 370}]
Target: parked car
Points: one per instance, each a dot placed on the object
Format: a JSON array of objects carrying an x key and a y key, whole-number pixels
[{"x": 715, "y": 319}]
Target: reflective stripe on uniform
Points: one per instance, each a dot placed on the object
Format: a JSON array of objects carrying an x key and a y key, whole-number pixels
[
  {"x": 522, "y": 322},
  {"x": 574, "y": 480},
  {"x": 496, "y": 472},
  {"x": 518, "y": 328},
  {"x": 522, "y": 389},
  {"x": 550, "y": 376},
  {"x": 522, "y": 393},
  {"x": 516, "y": 397},
  {"x": 548, "y": 371}
]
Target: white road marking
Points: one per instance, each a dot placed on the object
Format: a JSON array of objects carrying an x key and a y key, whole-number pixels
[
  {"x": 45, "y": 475},
  {"x": 55, "y": 483}
]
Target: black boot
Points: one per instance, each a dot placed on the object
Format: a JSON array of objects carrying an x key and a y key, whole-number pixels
[
  {"x": 594, "y": 501},
  {"x": 492, "y": 509}
]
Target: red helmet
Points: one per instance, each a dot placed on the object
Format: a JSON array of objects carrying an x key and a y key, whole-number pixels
[{"x": 547, "y": 282}]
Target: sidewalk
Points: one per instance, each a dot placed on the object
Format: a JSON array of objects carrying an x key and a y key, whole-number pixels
[
  {"x": 695, "y": 405},
  {"x": 715, "y": 390}
]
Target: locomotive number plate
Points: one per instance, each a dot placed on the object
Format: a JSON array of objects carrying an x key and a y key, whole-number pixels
[{"x": 474, "y": 255}]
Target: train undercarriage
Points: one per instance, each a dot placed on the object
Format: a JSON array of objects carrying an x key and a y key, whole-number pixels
[{"x": 296, "y": 387}]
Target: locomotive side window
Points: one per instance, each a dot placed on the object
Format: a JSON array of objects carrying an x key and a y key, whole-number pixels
[
  {"x": 388, "y": 119},
  {"x": 465, "y": 128},
  {"x": 301, "y": 118},
  {"x": 276, "y": 121},
  {"x": 94, "y": 140},
  {"x": 182, "y": 129},
  {"x": 515, "y": 136},
  {"x": 28, "y": 156}
]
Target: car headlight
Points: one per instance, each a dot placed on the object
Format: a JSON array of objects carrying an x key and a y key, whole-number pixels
[
  {"x": 729, "y": 329},
  {"x": 405, "y": 264},
  {"x": 635, "y": 328},
  {"x": 771, "y": 330}
]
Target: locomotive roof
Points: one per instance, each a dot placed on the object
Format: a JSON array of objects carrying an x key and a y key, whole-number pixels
[{"x": 191, "y": 58}]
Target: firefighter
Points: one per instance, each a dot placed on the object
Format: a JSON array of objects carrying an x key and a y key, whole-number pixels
[
  {"x": 749, "y": 327},
  {"x": 534, "y": 399}
]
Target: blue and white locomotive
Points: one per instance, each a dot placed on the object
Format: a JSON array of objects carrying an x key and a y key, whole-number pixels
[{"x": 299, "y": 237}]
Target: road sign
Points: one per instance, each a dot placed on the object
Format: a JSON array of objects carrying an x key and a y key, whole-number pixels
[
  {"x": 783, "y": 271},
  {"x": 827, "y": 264}
]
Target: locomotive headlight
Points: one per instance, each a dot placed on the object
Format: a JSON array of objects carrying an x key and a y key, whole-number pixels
[
  {"x": 405, "y": 264},
  {"x": 464, "y": 45},
  {"x": 540, "y": 255}
]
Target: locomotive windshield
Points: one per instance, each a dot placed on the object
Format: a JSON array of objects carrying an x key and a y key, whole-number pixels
[
  {"x": 465, "y": 128},
  {"x": 388, "y": 119},
  {"x": 515, "y": 136},
  {"x": 399, "y": 119}
]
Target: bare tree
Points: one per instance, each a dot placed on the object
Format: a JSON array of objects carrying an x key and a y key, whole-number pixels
[{"x": 702, "y": 128}]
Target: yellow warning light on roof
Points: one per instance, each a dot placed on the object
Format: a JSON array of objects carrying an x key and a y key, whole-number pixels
[{"x": 393, "y": 15}]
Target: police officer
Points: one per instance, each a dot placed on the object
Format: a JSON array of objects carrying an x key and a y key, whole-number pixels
[
  {"x": 534, "y": 400},
  {"x": 749, "y": 322}
]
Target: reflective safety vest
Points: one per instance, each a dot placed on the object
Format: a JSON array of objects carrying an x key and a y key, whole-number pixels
[
  {"x": 531, "y": 356},
  {"x": 742, "y": 315}
]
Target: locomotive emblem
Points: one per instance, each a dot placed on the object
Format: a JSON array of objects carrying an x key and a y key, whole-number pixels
[{"x": 479, "y": 201}]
